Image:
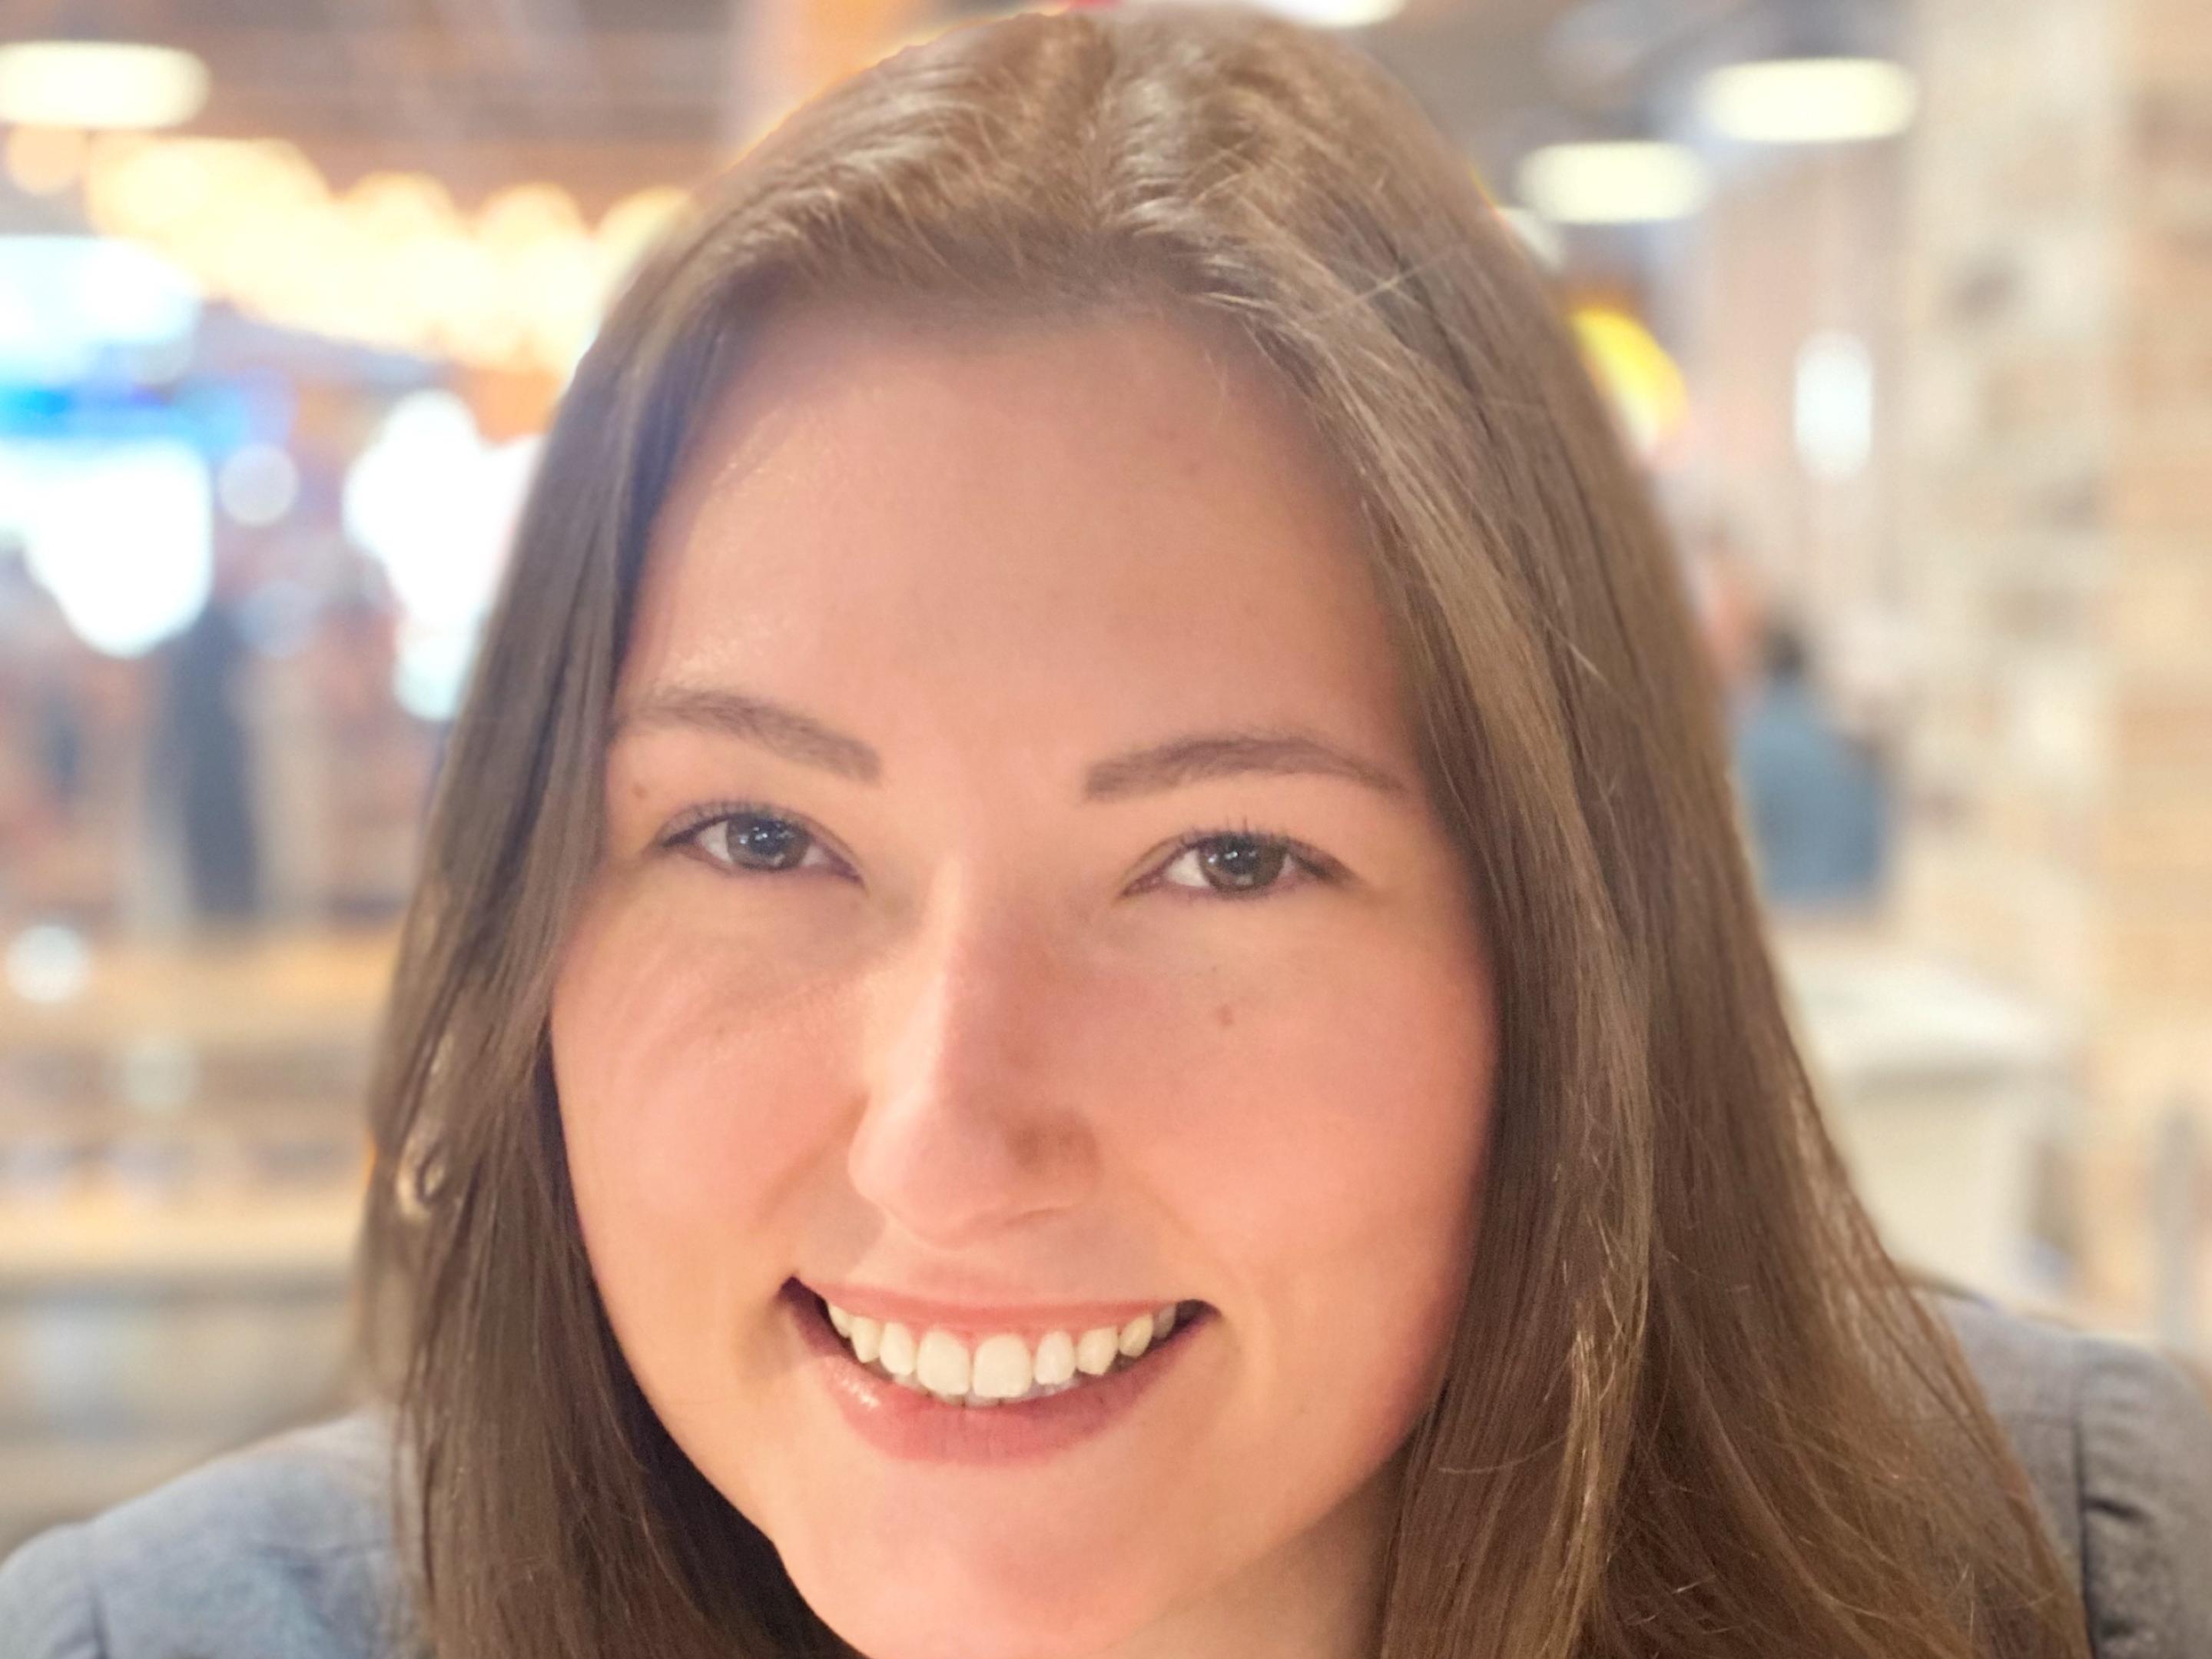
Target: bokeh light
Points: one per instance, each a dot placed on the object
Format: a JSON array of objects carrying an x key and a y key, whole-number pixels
[{"x": 121, "y": 535}]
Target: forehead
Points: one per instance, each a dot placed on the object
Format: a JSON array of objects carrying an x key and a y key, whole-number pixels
[{"x": 1113, "y": 515}]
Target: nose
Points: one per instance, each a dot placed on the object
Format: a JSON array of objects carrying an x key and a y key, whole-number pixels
[{"x": 969, "y": 1129}]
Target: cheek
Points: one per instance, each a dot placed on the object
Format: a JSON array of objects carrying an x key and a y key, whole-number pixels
[
  {"x": 1339, "y": 1126},
  {"x": 1323, "y": 1137},
  {"x": 693, "y": 1082}
]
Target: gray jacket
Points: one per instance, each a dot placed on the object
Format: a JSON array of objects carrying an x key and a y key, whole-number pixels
[{"x": 283, "y": 1551}]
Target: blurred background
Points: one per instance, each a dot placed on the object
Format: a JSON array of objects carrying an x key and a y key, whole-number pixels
[{"x": 1906, "y": 303}]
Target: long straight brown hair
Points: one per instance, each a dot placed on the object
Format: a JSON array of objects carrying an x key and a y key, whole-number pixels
[{"x": 1690, "y": 1409}]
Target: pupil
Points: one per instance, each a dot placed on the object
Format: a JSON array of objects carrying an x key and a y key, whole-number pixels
[
  {"x": 765, "y": 838},
  {"x": 1248, "y": 863}
]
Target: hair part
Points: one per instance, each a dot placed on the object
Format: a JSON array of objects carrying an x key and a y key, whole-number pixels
[{"x": 1721, "y": 1424}]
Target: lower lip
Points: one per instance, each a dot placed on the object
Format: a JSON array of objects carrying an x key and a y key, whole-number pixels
[{"x": 908, "y": 1423}]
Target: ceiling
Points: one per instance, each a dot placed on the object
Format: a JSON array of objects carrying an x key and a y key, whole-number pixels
[{"x": 608, "y": 94}]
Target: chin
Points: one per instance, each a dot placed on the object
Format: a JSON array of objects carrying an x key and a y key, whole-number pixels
[{"x": 906, "y": 1611}]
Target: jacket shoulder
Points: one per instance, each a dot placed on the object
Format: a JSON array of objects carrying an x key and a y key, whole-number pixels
[
  {"x": 2117, "y": 1443},
  {"x": 281, "y": 1550}
]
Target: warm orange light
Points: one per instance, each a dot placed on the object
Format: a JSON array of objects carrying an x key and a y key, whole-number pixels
[
  {"x": 519, "y": 284},
  {"x": 392, "y": 208},
  {"x": 630, "y": 226},
  {"x": 515, "y": 218},
  {"x": 1645, "y": 386},
  {"x": 43, "y": 161}
]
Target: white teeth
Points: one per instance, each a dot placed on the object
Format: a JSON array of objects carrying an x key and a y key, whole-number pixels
[
  {"x": 1095, "y": 1350},
  {"x": 1002, "y": 1367},
  {"x": 867, "y": 1338},
  {"x": 1055, "y": 1359},
  {"x": 1137, "y": 1335},
  {"x": 897, "y": 1350},
  {"x": 941, "y": 1363}
]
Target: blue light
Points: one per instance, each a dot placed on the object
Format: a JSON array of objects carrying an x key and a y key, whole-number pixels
[{"x": 67, "y": 304}]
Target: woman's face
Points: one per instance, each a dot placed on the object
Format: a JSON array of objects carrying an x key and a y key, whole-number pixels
[{"x": 1021, "y": 911}]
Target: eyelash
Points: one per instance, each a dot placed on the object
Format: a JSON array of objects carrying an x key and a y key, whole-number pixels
[{"x": 1312, "y": 866}]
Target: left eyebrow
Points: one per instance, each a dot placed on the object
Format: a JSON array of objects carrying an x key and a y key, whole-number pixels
[{"x": 1209, "y": 755}]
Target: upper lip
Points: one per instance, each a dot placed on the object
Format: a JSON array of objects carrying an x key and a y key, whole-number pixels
[{"x": 920, "y": 1313}]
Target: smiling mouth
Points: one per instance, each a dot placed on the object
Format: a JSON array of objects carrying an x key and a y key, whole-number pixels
[{"x": 1005, "y": 1369}]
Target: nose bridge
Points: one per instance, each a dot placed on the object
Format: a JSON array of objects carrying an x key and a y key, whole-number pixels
[{"x": 965, "y": 1128}]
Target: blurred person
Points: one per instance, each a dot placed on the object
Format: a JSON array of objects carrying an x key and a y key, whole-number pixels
[
  {"x": 1083, "y": 986},
  {"x": 23, "y": 794},
  {"x": 377, "y": 795},
  {"x": 42, "y": 722},
  {"x": 203, "y": 760},
  {"x": 1815, "y": 802}
]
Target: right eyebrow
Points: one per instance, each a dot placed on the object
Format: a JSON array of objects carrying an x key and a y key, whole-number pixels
[{"x": 772, "y": 726}]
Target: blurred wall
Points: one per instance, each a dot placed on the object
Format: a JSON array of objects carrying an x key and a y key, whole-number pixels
[{"x": 2057, "y": 538}]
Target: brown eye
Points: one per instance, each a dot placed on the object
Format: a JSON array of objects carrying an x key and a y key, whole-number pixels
[
  {"x": 1236, "y": 867},
  {"x": 755, "y": 842}
]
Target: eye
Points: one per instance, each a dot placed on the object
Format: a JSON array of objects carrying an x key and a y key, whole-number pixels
[
  {"x": 1235, "y": 864},
  {"x": 752, "y": 841},
  {"x": 1242, "y": 864}
]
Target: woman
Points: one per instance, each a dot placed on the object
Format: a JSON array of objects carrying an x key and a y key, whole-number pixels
[{"x": 1083, "y": 985}]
